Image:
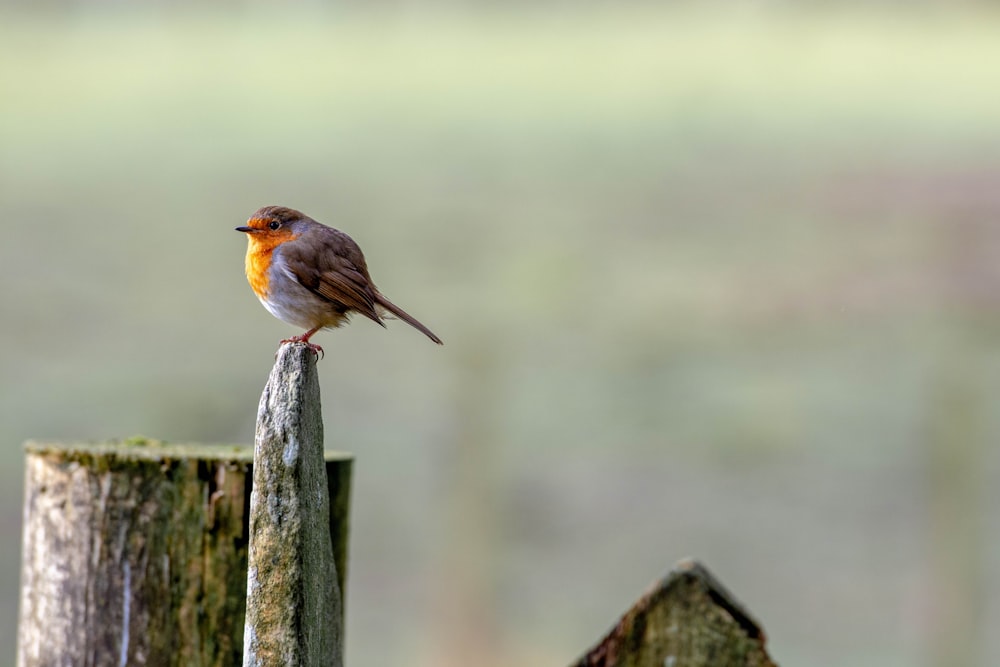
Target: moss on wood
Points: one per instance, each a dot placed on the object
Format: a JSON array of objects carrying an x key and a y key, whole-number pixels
[{"x": 138, "y": 549}]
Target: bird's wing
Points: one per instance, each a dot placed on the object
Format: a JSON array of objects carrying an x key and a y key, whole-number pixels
[
  {"x": 347, "y": 286},
  {"x": 335, "y": 277}
]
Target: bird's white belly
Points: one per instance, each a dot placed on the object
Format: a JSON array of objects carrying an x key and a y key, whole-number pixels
[{"x": 290, "y": 302}]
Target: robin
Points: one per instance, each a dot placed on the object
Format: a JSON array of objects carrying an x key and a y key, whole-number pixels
[{"x": 311, "y": 275}]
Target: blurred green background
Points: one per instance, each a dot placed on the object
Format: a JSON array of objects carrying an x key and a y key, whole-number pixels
[{"x": 719, "y": 281}]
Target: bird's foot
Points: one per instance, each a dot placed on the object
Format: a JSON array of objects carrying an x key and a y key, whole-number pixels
[{"x": 317, "y": 350}]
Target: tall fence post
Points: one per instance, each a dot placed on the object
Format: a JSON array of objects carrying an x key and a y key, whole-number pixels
[{"x": 294, "y": 602}]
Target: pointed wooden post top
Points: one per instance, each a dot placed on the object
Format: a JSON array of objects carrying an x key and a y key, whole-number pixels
[
  {"x": 687, "y": 619},
  {"x": 293, "y": 600}
]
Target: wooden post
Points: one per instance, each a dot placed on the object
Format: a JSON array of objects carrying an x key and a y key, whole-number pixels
[
  {"x": 688, "y": 619},
  {"x": 136, "y": 553},
  {"x": 293, "y": 601}
]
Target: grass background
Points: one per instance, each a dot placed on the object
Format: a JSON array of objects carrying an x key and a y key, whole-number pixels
[{"x": 718, "y": 282}]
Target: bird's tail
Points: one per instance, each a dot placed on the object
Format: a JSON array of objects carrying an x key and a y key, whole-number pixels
[{"x": 406, "y": 317}]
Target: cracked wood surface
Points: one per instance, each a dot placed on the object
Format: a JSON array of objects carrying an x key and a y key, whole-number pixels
[{"x": 136, "y": 552}]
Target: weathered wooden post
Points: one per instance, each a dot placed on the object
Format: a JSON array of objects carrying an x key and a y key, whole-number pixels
[
  {"x": 688, "y": 619},
  {"x": 135, "y": 553},
  {"x": 293, "y": 598}
]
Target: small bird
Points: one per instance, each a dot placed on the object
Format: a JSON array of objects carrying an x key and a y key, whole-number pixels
[{"x": 311, "y": 275}]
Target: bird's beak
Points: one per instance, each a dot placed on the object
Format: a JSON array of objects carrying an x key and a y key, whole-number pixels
[{"x": 246, "y": 230}]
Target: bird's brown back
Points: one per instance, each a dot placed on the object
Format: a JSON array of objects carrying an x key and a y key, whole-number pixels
[{"x": 328, "y": 262}]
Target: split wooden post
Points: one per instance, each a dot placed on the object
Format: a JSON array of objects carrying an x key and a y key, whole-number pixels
[
  {"x": 688, "y": 619},
  {"x": 136, "y": 552},
  {"x": 294, "y": 603}
]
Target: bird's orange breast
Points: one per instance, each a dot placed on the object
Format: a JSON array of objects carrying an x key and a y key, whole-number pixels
[{"x": 260, "y": 254}]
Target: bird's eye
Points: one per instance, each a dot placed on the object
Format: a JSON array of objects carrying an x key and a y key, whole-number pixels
[{"x": 274, "y": 224}]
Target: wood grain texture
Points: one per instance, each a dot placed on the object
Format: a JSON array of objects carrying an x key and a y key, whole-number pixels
[
  {"x": 294, "y": 615},
  {"x": 688, "y": 619},
  {"x": 135, "y": 552}
]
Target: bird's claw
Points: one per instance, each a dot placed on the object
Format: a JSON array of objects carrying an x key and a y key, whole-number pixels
[{"x": 316, "y": 349}]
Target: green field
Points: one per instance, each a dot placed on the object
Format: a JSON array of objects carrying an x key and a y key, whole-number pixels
[{"x": 714, "y": 283}]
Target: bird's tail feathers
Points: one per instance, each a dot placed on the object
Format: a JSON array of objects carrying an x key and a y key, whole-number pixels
[{"x": 406, "y": 317}]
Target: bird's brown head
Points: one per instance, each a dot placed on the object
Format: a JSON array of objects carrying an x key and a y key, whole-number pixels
[{"x": 273, "y": 225}]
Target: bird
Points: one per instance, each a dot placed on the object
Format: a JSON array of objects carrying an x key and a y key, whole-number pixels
[{"x": 312, "y": 276}]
